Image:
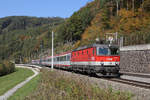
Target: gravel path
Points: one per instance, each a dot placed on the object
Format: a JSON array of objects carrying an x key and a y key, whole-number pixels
[{"x": 13, "y": 90}]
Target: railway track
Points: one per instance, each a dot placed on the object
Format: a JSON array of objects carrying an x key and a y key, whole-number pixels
[
  {"x": 142, "y": 75},
  {"x": 130, "y": 82}
]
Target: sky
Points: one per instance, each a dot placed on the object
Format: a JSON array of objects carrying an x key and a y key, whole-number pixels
[{"x": 40, "y": 8}]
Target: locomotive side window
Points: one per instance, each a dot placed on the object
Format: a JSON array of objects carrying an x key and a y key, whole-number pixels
[
  {"x": 103, "y": 51},
  {"x": 93, "y": 51}
]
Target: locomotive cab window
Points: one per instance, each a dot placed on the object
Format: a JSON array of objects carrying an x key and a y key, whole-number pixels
[{"x": 114, "y": 51}]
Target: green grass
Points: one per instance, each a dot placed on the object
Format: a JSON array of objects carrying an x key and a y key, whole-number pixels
[
  {"x": 27, "y": 89},
  {"x": 9, "y": 81}
]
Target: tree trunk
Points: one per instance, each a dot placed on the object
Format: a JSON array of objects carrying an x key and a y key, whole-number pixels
[
  {"x": 127, "y": 5},
  {"x": 133, "y": 5},
  {"x": 117, "y": 7}
]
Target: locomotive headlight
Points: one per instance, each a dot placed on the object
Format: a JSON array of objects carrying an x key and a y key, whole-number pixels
[
  {"x": 102, "y": 64},
  {"x": 117, "y": 63}
]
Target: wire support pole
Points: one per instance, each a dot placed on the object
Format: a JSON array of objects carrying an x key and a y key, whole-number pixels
[{"x": 52, "y": 64}]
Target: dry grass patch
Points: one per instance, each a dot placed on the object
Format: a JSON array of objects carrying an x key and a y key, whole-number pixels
[{"x": 59, "y": 86}]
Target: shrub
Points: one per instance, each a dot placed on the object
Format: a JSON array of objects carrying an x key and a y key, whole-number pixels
[{"x": 6, "y": 67}]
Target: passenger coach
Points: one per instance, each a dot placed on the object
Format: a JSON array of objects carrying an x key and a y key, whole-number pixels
[{"x": 59, "y": 61}]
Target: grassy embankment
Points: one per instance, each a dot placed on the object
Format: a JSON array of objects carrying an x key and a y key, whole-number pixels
[
  {"x": 27, "y": 89},
  {"x": 59, "y": 86},
  {"x": 9, "y": 81}
]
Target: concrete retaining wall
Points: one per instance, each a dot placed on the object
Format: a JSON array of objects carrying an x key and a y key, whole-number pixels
[{"x": 135, "y": 59}]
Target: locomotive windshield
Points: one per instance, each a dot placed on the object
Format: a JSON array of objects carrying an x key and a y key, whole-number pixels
[
  {"x": 114, "y": 51},
  {"x": 107, "y": 51}
]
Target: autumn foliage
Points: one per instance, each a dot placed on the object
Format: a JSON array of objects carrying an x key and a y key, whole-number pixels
[{"x": 131, "y": 20}]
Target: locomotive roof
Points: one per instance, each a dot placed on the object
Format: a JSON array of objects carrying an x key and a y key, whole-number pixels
[{"x": 95, "y": 45}]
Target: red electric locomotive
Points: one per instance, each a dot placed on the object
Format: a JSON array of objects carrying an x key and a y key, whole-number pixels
[
  {"x": 103, "y": 60},
  {"x": 100, "y": 59}
]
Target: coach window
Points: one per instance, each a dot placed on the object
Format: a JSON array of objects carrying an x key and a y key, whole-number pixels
[
  {"x": 59, "y": 58},
  {"x": 63, "y": 58},
  {"x": 55, "y": 59},
  {"x": 68, "y": 57}
]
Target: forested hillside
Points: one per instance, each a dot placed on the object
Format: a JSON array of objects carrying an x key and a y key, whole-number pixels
[
  {"x": 129, "y": 18},
  {"x": 23, "y": 37}
]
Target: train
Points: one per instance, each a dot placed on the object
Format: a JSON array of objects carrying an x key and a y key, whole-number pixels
[{"x": 100, "y": 59}]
